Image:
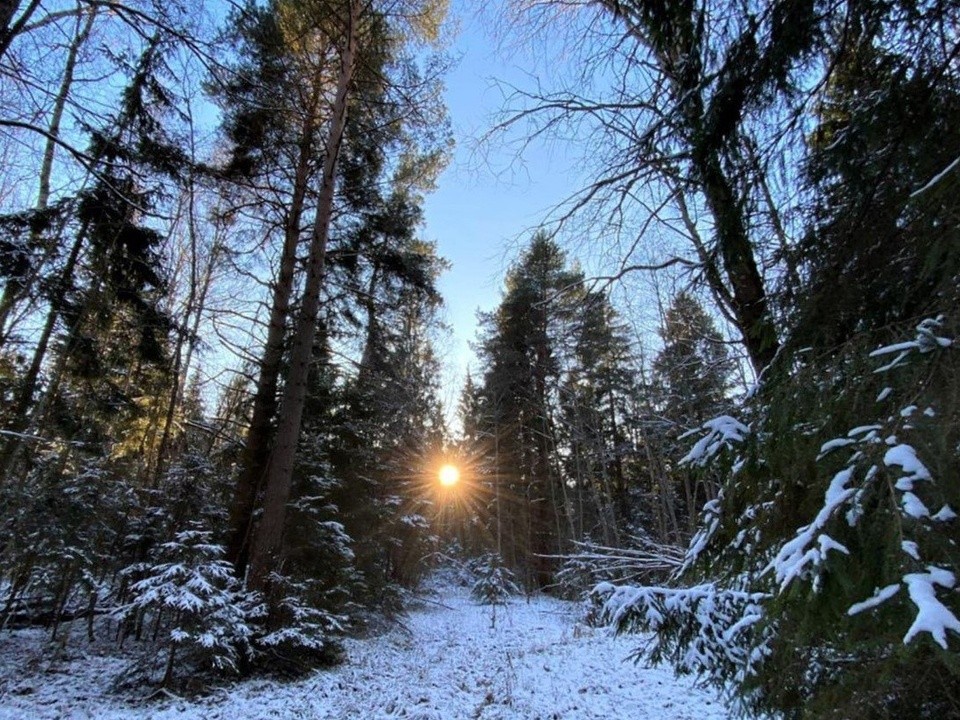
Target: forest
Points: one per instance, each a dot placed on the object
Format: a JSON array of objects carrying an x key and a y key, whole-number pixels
[{"x": 717, "y": 402}]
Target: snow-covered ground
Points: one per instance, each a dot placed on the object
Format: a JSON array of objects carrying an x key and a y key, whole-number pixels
[{"x": 450, "y": 659}]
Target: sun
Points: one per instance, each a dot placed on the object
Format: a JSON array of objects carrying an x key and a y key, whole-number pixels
[{"x": 449, "y": 475}]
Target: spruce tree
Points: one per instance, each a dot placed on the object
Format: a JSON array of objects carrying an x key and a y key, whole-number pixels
[{"x": 691, "y": 377}]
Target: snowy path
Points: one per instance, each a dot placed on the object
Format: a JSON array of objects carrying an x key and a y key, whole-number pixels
[{"x": 537, "y": 663}]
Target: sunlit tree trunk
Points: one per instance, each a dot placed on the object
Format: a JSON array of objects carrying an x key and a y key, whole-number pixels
[
  {"x": 260, "y": 433},
  {"x": 269, "y": 532}
]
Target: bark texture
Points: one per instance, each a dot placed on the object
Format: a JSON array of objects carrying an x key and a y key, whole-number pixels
[{"x": 268, "y": 537}]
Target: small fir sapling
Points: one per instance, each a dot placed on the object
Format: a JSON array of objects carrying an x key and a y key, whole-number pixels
[
  {"x": 494, "y": 582},
  {"x": 191, "y": 604},
  {"x": 291, "y": 635}
]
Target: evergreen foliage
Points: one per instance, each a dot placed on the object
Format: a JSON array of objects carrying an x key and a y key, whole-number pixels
[
  {"x": 494, "y": 583},
  {"x": 811, "y": 592},
  {"x": 691, "y": 377},
  {"x": 188, "y": 597}
]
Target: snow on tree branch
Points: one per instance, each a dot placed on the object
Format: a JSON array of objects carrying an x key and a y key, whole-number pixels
[
  {"x": 722, "y": 431},
  {"x": 932, "y": 615},
  {"x": 719, "y": 620},
  {"x": 798, "y": 558},
  {"x": 925, "y": 341}
]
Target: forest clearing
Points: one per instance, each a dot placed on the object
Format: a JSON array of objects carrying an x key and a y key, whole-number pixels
[{"x": 450, "y": 658}]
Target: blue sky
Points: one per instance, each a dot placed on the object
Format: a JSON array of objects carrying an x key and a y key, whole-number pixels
[{"x": 487, "y": 200}]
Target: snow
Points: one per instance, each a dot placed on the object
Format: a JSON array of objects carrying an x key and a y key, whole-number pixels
[
  {"x": 914, "y": 507},
  {"x": 825, "y": 542},
  {"x": 896, "y": 347},
  {"x": 449, "y": 658},
  {"x": 936, "y": 178},
  {"x": 880, "y": 596},
  {"x": 833, "y": 445},
  {"x": 896, "y": 361},
  {"x": 932, "y": 616},
  {"x": 718, "y": 614},
  {"x": 722, "y": 431},
  {"x": 795, "y": 557},
  {"x": 906, "y": 457},
  {"x": 864, "y": 430},
  {"x": 945, "y": 514},
  {"x": 709, "y": 525},
  {"x": 926, "y": 341},
  {"x": 911, "y": 548}
]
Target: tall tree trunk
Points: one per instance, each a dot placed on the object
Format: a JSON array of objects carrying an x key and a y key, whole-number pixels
[
  {"x": 750, "y": 304},
  {"x": 674, "y": 35},
  {"x": 540, "y": 471},
  {"x": 373, "y": 342},
  {"x": 187, "y": 337},
  {"x": 8, "y": 29},
  {"x": 256, "y": 451},
  {"x": 496, "y": 490},
  {"x": 619, "y": 479},
  {"x": 267, "y": 540},
  {"x": 84, "y": 27},
  {"x": 13, "y": 292},
  {"x": 560, "y": 480}
]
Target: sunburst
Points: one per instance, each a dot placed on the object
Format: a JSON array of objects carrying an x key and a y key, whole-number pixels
[{"x": 449, "y": 475}]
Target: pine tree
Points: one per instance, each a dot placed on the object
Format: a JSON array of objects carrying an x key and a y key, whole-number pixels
[
  {"x": 109, "y": 293},
  {"x": 881, "y": 137},
  {"x": 593, "y": 399},
  {"x": 363, "y": 140}
]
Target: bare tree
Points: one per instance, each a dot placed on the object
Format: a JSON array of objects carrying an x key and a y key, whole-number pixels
[{"x": 681, "y": 93}]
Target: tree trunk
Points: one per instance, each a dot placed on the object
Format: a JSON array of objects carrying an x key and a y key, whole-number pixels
[
  {"x": 8, "y": 31},
  {"x": 749, "y": 296},
  {"x": 619, "y": 479},
  {"x": 673, "y": 33},
  {"x": 257, "y": 448},
  {"x": 7, "y": 10},
  {"x": 269, "y": 533},
  {"x": 183, "y": 356},
  {"x": 373, "y": 342},
  {"x": 13, "y": 292},
  {"x": 496, "y": 489}
]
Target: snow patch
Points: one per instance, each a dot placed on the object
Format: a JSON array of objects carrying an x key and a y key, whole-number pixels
[
  {"x": 914, "y": 507},
  {"x": 450, "y": 658},
  {"x": 906, "y": 458},
  {"x": 911, "y": 549},
  {"x": 926, "y": 341},
  {"x": 936, "y": 178},
  {"x": 830, "y": 445},
  {"x": 722, "y": 431},
  {"x": 945, "y": 514},
  {"x": 932, "y": 615}
]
